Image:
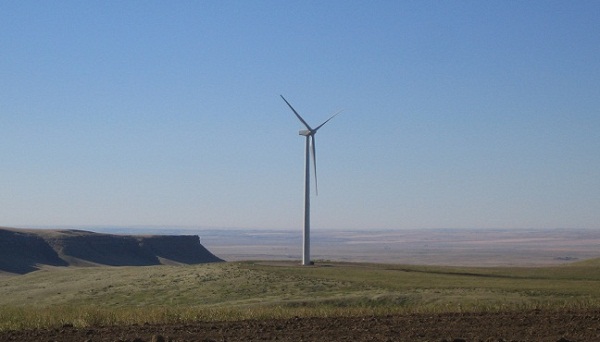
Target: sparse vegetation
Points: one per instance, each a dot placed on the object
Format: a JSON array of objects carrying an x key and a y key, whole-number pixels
[{"x": 231, "y": 291}]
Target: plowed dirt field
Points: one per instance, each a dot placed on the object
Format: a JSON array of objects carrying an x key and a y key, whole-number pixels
[{"x": 535, "y": 325}]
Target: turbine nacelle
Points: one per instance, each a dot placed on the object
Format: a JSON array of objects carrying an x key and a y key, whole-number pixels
[{"x": 309, "y": 133}]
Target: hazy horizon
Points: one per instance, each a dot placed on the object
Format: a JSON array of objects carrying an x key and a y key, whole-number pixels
[{"x": 298, "y": 229}]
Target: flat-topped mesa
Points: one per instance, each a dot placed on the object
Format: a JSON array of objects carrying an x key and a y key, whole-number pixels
[{"x": 25, "y": 250}]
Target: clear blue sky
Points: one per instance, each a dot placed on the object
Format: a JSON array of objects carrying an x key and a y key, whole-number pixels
[{"x": 463, "y": 114}]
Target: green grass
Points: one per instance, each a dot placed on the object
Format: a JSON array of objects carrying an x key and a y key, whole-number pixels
[{"x": 229, "y": 291}]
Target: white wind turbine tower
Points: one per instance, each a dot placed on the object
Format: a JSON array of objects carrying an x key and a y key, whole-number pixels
[{"x": 309, "y": 133}]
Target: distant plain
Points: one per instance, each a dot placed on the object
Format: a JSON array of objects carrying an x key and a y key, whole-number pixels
[{"x": 458, "y": 247}]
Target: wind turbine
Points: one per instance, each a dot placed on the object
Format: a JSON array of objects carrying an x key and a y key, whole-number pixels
[{"x": 309, "y": 133}]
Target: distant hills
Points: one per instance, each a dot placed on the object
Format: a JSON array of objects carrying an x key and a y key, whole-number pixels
[{"x": 26, "y": 250}]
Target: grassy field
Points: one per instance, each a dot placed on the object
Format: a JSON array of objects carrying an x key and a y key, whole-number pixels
[{"x": 229, "y": 291}]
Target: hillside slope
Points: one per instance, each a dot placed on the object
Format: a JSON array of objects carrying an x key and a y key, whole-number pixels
[{"x": 25, "y": 250}]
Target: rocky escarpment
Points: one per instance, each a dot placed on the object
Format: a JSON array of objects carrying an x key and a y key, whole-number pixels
[
  {"x": 25, "y": 250},
  {"x": 20, "y": 252}
]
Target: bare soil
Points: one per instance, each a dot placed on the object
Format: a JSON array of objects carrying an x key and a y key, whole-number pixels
[{"x": 552, "y": 326}]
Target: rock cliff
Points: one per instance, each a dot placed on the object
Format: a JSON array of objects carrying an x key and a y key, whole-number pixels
[{"x": 25, "y": 250}]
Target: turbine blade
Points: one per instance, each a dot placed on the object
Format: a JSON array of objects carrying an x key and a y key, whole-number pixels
[
  {"x": 321, "y": 125},
  {"x": 295, "y": 112},
  {"x": 314, "y": 157}
]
